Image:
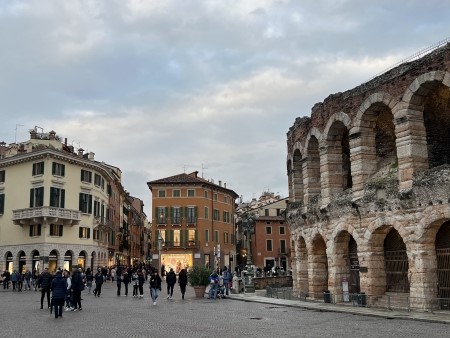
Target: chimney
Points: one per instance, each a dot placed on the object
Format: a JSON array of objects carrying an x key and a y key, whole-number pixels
[
  {"x": 80, "y": 151},
  {"x": 220, "y": 183},
  {"x": 224, "y": 185},
  {"x": 33, "y": 134},
  {"x": 52, "y": 135},
  {"x": 91, "y": 156},
  {"x": 65, "y": 141}
]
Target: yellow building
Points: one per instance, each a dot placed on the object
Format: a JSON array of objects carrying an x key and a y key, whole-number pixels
[
  {"x": 55, "y": 206},
  {"x": 192, "y": 222}
]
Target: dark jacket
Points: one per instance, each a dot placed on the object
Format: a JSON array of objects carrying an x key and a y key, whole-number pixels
[
  {"x": 155, "y": 282},
  {"x": 125, "y": 278},
  {"x": 77, "y": 281},
  {"x": 182, "y": 278},
  {"x": 98, "y": 278},
  {"x": 141, "y": 278},
  {"x": 45, "y": 280},
  {"x": 171, "y": 278},
  {"x": 58, "y": 287}
]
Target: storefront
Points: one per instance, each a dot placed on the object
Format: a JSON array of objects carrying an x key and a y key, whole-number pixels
[
  {"x": 68, "y": 260},
  {"x": 176, "y": 261}
]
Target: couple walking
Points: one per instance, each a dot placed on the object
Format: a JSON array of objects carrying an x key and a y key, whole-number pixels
[{"x": 171, "y": 279}]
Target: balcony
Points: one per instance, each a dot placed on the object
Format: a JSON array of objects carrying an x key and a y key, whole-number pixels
[
  {"x": 48, "y": 215},
  {"x": 179, "y": 245},
  {"x": 103, "y": 223}
]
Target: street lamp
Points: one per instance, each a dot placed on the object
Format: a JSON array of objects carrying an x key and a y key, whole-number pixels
[
  {"x": 160, "y": 242},
  {"x": 248, "y": 226}
]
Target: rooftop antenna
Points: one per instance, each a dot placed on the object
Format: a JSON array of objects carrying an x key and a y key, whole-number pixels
[
  {"x": 15, "y": 135},
  {"x": 203, "y": 167}
]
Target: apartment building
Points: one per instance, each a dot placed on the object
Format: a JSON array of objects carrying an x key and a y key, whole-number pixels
[
  {"x": 193, "y": 219},
  {"x": 58, "y": 208}
]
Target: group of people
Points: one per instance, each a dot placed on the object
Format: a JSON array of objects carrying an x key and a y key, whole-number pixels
[
  {"x": 220, "y": 283},
  {"x": 19, "y": 281}
]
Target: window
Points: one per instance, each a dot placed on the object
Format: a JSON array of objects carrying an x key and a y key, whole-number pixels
[
  {"x": 35, "y": 230},
  {"x": 225, "y": 199},
  {"x": 216, "y": 215},
  {"x": 58, "y": 169},
  {"x": 192, "y": 237},
  {"x": 216, "y": 236},
  {"x": 191, "y": 192},
  {"x": 282, "y": 231},
  {"x": 226, "y": 216},
  {"x": 225, "y": 237},
  {"x": 176, "y": 237},
  {"x": 283, "y": 246},
  {"x": 57, "y": 197},
  {"x": 176, "y": 193},
  {"x": 176, "y": 215},
  {"x": 161, "y": 193},
  {"x": 38, "y": 168},
  {"x": 215, "y": 197},
  {"x": 191, "y": 214},
  {"x": 268, "y": 245},
  {"x": 161, "y": 215},
  {"x": 84, "y": 232},
  {"x": 97, "y": 179},
  {"x": 85, "y": 203},
  {"x": 206, "y": 235},
  {"x": 268, "y": 230},
  {"x": 2, "y": 176},
  {"x": 36, "y": 197},
  {"x": 266, "y": 212},
  {"x": 232, "y": 239},
  {"x": 206, "y": 213},
  {"x": 97, "y": 208},
  {"x": 2, "y": 204},
  {"x": 86, "y": 176},
  {"x": 206, "y": 194},
  {"x": 56, "y": 230},
  {"x": 96, "y": 235}
]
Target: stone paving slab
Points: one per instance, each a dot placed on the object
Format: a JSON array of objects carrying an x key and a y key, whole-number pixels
[{"x": 113, "y": 316}]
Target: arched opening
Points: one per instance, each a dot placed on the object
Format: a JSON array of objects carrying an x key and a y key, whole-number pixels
[
  {"x": 36, "y": 261},
  {"x": 385, "y": 147},
  {"x": 312, "y": 188},
  {"x": 93, "y": 260},
  {"x": 396, "y": 263},
  {"x": 436, "y": 116},
  {"x": 338, "y": 156},
  {"x": 53, "y": 261},
  {"x": 303, "y": 267},
  {"x": 82, "y": 259},
  {"x": 9, "y": 262},
  {"x": 443, "y": 265},
  {"x": 22, "y": 261},
  {"x": 297, "y": 184},
  {"x": 318, "y": 268},
  {"x": 68, "y": 258}
]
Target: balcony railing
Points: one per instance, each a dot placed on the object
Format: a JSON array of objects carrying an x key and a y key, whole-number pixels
[
  {"x": 180, "y": 245},
  {"x": 49, "y": 215}
]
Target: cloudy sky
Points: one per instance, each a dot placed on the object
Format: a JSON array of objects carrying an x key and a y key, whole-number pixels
[{"x": 159, "y": 88}]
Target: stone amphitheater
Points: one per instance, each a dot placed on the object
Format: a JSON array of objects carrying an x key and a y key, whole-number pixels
[{"x": 369, "y": 189}]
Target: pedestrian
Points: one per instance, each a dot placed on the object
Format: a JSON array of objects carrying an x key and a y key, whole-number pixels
[
  {"x": 155, "y": 285},
  {"x": 227, "y": 278},
  {"x": 214, "y": 285},
  {"x": 69, "y": 302},
  {"x": 113, "y": 274},
  {"x": 19, "y": 282},
  {"x": 135, "y": 282},
  {"x": 171, "y": 280},
  {"x": 99, "y": 279},
  {"x": 89, "y": 280},
  {"x": 14, "y": 279},
  {"x": 45, "y": 282},
  {"x": 118, "y": 276},
  {"x": 76, "y": 288},
  {"x": 163, "y": 270},
  {"x": 27, "y": 279},
  {"x": 35, "y": 279},
  {"x": 141, "y": 280},
  {"x": 59, "y": 292},
  {"x": 182, "y": 281},
  {"x": 6, "y": 279},
  {"x": 125, "y": 280}
]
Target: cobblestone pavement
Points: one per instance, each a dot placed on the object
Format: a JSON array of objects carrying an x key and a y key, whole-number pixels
[{"x": 113, "y": 316}]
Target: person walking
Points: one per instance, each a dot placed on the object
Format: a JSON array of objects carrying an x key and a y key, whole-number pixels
[
  {"x": 14, "y": 279},
  {"x": 135, "y": 282},
  {"x": 227, "y": 278},
  {"x": 76, "y": 288},
  {"x": 45, "y": 282},
  {"x": 141, "y": 280},
  {"x": 27, "y": 279},
  {"x": 155, "y": 285},
  {"x": 171, "y": 280},
  {"x": 89, "y": 280},
  {"x": 125, "y": 280},
  {"x": 99, "y": 279},
  {"x": 6, "y": 279},
  {"x": 118, "y": 276},
  {"x": 182, "y": 281},
  {"x": 68, "y": 279},
  {"x": 59, "y": 291}
]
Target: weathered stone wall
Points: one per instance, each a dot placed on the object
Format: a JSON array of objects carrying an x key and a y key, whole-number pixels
[{"x": 395, "y": 129}]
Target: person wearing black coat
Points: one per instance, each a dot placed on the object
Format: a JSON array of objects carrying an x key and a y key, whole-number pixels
[
  {"x": 182, "y": 281},
  {"x": 171, "y": 280},
  {"x": 126, "y": 280},
  {"x": 155, "y": 285},
  {"x": 98, "y": 282},
  {"x": 76, "y": 288},
  {"x": 44, "y": 282},
  {"x": 59, "y": 292}
]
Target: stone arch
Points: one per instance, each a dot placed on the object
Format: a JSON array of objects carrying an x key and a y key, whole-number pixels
[
  {"x": 93, "y": 258},
  {"x": 301, "y": 252},
  {"x": 35, "y": 260},
  {"x": 9, "y": 261},
  {"x": 335, "y": 157},
  {"x": 22, "y": 260},
  {"x": 311, "y": 168},
  {"x": 442, "y": 245},
  {"x": 68, "y": 260},
  {"x": 53, "y": 259},
  {"x": 289, "y": 175},
  {"x": 373, "y": 140},
  {"x": 318, "y": 267},
  {"x": 82, "y": 257},
  {"x": 422, "y": 125}
]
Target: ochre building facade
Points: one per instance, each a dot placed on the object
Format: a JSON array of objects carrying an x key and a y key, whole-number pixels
[{"x": 369, "y": 188}]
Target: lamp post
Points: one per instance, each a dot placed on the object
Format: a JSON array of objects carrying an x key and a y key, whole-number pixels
[{"x": 160, "y": 242}]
